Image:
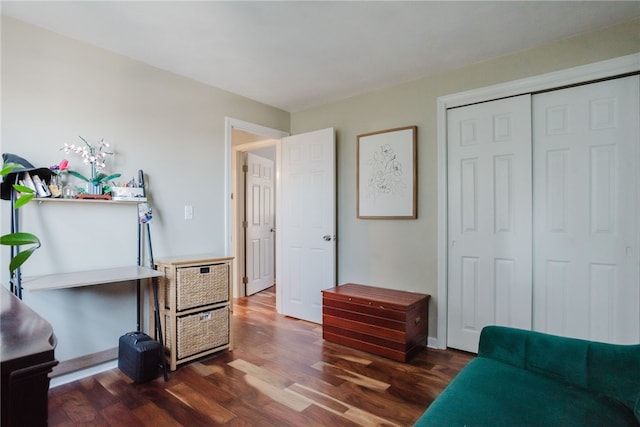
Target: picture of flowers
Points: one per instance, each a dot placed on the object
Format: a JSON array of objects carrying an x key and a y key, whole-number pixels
[{"x": 387, "y": 174}]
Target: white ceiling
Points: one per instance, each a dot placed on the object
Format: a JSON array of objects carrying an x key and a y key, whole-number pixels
[{"x": 301, "y": 54}]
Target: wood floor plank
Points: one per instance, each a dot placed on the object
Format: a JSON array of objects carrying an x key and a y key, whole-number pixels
[
  {"x": 119, "y": 415},
  {"x": 280, "y": 373},
  {"x": 263, "y": 374},
  {"x": 179, "y": 411},
  {"x": 320, "y": 399},
  {"x": 324, "y": 418},
  {"x": 150, "y": 415},
  {"x": 343, "y": 410},
  {"x": 277, "y": 394},
  {"x": 202, "y": 403},
  {"x": 205, "y": 385},
  {"x": 354, "y": 377}
]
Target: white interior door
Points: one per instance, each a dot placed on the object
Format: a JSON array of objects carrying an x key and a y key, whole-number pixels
[
  {"x": 586, "y": 279},
  {"x": 260, "y": 210},
  {"x": 489, "y": 235},
  {"x": 306, "y": 223}
]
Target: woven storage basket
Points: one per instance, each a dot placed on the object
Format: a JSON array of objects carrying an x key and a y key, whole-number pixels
[
  {"x": 201, "y": 285},
  {"x": 200, "y": 331}
]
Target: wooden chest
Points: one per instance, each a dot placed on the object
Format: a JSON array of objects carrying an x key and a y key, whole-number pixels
[{"x": 385, "y": 322}]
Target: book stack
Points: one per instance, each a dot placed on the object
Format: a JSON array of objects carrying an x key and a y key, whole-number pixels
[{"x": 36, "y": 184}]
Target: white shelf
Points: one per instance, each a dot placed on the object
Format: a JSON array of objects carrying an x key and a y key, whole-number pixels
[
  {"x": 88, "y": 278},
  {"x": 62, "y": 200}
]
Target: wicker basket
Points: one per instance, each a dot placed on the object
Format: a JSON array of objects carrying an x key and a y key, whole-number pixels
[
  {"x": 200, "y": 332},
  {"x": 201, "y": 285}
]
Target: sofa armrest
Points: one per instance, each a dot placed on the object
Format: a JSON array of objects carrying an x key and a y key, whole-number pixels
[{"x": 504, "y": 344}]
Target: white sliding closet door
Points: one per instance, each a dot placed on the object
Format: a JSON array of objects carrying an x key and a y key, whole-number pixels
[
  {"x": 586, "y": 155},
  {"x": 489, "y": 236}
]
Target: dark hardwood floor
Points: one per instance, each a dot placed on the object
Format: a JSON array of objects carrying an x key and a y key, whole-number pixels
[{"x": 280, "y": 373}]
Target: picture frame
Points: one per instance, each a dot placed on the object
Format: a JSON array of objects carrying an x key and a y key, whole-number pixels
[{"x": 387, "y": 174}]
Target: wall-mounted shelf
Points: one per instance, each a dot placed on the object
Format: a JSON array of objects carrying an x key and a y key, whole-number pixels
[
  {"x": 88, "y": 278},
  {"x": 109, "y": 202}
]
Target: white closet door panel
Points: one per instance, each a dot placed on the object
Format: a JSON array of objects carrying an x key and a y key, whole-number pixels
[
  {"x": 489, "y": 179},
  {"x": 586, "y": 279}
]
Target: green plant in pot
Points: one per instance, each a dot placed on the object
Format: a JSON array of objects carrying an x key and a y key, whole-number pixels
[
  {"x": 20, "y": 238},
  {"x": 95, "y": 157}
]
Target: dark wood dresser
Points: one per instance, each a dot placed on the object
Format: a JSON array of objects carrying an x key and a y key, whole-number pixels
[
  {"x": 386, "y": 322},
  {"x": 27, "y": 344}
]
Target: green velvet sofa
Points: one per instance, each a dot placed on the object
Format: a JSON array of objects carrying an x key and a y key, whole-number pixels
[{"x": 525, "y": 378}]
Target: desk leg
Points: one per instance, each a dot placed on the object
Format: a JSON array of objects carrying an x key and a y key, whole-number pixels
[
  {"x": 159, "y": 328},
  {"x": 138, "y": 311}
]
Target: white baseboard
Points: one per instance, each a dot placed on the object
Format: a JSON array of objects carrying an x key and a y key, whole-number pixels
[
  {"x": 83, "y": 373},
  {"x": 433, "y": 343}
]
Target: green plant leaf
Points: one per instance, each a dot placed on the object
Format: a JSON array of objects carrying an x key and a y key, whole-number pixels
[
  {"x": 24, "y": 199},
  {"x": 23, "y": 189},
  {"x": 7, "y": 168},
  {"x": 100, "y": 177},
  {"x": 79, "y": 175},
  {"x": 110, "y": 177},
  {"x": 21, "y": 258},
  {"x": 19, "y": 239},
  {"x": 103, "y": 178}
]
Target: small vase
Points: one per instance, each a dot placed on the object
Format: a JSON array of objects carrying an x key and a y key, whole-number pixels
[
  {"x": 94, "y": 188},
  {"x": 55, "y": 186},
  {"x": 69, "y": 192},
  {"x": 91, "y": 187}
]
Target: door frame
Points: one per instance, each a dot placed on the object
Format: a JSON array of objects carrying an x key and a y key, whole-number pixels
[
  {"x": 620, "y": 66},
  {"x": 235, "y": 246}
]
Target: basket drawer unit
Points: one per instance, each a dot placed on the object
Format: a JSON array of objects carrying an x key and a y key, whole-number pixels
[
  {"x": 386, "y": 322},
  {"x": 195, "y": 305}
]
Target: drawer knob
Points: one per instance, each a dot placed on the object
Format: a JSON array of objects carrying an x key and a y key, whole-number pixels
[{"x": 417, "y": 320}]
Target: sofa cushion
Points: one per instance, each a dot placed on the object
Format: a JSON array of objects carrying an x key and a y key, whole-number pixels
[{"x": 488, "y": 392}]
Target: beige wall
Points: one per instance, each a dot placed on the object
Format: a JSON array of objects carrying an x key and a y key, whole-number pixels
[
  {"x": 54, "y": 89},
  {"x": 402, "y": 254}
]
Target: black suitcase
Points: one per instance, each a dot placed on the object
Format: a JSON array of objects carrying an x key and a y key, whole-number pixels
[{"x": 139, "y": 356}]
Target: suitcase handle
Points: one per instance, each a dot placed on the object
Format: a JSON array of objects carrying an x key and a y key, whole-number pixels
[{"x": 139, "y": 337}]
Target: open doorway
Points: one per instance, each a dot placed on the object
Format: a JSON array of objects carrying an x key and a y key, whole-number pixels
[
  {"x": 256, "y": 256},
  {"x": 259, "y": 223},
  {"x": 306, "y": 212}
]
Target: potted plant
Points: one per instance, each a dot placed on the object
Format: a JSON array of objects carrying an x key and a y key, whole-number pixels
[
  {"x": 95, "y": 157},
  {"x": 20, "y": 238}
]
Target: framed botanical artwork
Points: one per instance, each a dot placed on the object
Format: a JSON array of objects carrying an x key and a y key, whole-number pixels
[{"x": 387, "y": 174}]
